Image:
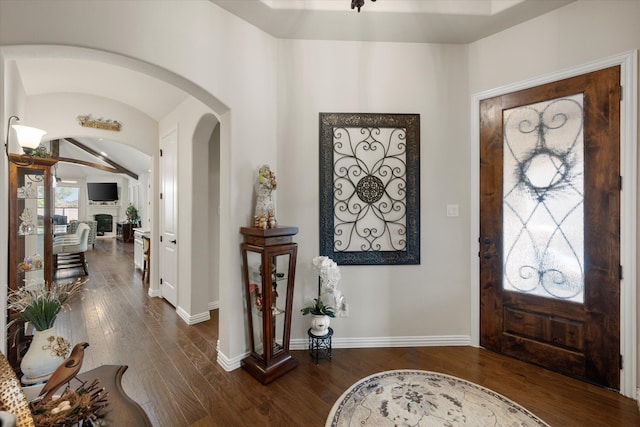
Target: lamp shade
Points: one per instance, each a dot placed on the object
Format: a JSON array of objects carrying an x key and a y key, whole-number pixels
[{"x": 28, "y": 137}]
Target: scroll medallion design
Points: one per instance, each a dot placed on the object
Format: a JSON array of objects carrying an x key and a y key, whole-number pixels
[{"x": 369, "y": 188}]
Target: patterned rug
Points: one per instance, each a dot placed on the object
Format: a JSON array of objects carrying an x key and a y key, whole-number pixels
[{"x": 423, "y": 398}]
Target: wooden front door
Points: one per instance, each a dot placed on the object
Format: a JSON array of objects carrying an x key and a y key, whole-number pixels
[{"x": 550, "y": 226}]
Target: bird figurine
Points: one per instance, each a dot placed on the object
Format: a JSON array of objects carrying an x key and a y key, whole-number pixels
[{"x": 67, "y": 371}]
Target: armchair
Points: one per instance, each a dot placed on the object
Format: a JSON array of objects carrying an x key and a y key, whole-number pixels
[
  {"x": 93, "y": 230},
  {"x": 69, "y": 249}
]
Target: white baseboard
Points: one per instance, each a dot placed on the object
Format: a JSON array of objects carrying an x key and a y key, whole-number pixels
[
  {"x": 638, "y": 397},
  {"x": 373, "y": 342},
  {"x": 153, "y": 292},
  {"x": 192, "y": 319},
  {"x": 229, "y": 364},
  {"x": 214, "y": 305}
]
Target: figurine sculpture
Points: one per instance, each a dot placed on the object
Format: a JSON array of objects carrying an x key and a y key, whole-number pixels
[
  {"x": 26, "y": 226},
  {"x": 265, "y": 213}
]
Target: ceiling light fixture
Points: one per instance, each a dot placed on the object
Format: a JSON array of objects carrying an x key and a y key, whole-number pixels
[
  {"x": 358, "y": 4},
  {"x": 28, "y": 138}
]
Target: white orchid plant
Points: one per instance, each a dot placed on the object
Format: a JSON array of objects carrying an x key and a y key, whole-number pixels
[{"x": 330, "y": 300}]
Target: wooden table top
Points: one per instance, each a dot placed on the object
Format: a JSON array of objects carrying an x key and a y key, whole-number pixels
[{"x": 121, "y": 410}]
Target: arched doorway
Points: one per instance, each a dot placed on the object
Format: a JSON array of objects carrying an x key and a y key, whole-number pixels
[{"x": 10, "y": 55}]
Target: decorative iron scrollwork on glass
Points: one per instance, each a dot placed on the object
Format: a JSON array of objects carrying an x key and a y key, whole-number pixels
[
  {"x": 369, "y": 188},
  {"x": 543, "y": 199}
]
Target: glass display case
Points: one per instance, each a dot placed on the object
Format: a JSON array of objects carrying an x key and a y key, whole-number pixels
[
  {"x": 269, "y": 264},
  {"x": 30, "y": 235}
]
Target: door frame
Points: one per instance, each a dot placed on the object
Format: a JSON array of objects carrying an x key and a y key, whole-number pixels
[{"x": 628, "y": 232}]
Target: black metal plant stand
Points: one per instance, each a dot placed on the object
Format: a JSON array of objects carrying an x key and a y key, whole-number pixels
[{"x": 320, "y": 346}]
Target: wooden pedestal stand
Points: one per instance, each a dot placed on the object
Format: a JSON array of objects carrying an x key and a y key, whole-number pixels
[{"x": 269, "y": 265}]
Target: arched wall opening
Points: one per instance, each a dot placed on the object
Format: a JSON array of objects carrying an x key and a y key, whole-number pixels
[
  {"x": 204, "y": 136},
  {"x": 205, "y": 224}
]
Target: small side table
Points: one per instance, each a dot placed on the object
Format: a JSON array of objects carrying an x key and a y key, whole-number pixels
[{"x": 320, "y": 346}]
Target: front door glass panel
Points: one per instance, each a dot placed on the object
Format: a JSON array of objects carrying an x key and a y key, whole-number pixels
[{"x": 543, "y": 199}]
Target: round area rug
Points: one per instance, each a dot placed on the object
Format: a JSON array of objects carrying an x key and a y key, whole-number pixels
[{"x": 424, "y": 398}]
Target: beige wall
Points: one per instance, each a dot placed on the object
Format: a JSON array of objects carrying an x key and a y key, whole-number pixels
[
  {"x": 578, "y": 33},
  {"x": 412, "y": 304}
]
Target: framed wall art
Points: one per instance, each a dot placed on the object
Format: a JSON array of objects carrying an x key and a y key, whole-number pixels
[{"x": 370, "y": 188}]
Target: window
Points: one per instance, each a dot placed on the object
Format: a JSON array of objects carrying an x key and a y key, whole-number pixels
[{"x": 65, "y": 205}]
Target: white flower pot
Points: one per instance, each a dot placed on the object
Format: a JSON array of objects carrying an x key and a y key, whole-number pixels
[
  {"x": 320, "y": 324},
  {"x": 41, "y": 359}
]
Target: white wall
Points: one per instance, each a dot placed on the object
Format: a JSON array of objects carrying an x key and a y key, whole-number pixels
[
  {"x": 226, "y": 63},
  {"x": 388, "y": 304},
  {"x": 13, "y": 98},
  {"x": 139, "y": 196},
  {"x": 267, "y": 95},
  {"x": 194, "y": 219},
  {"x": 213, "y": 181},
  {"x": 578, "y": 33},
  {"x": 57, "y": 113}
]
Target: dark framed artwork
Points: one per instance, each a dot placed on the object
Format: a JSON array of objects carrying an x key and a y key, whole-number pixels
[{"x": 370, "y": 188}]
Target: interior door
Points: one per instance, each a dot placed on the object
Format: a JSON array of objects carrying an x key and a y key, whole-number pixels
[
  {"x": 550, "y": 225},
  {"x": 169, "y": 217}
]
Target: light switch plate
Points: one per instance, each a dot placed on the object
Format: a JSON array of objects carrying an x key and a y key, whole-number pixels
[{"x": 453, "y": 211}]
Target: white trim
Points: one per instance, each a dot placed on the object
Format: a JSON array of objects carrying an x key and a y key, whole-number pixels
[
  {"x": 628, "y": 232},
  {"x": 214, "y": 305},
  {"x": 628, "y": 167},
  {"x": 227, "y": 363},
  {"x": 192, "y": 319},
  {"x": 383, "y": 342}
]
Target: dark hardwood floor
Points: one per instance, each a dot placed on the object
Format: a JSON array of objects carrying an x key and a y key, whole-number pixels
[{"x": 173, "y": 372}]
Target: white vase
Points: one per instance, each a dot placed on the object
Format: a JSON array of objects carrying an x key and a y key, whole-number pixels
[
  {"x": 42, "y": 358},
  {"x": 320, "y": 324}
]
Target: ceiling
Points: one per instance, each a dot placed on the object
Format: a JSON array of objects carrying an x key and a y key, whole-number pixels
[
  {"x": 423, "y": 21},
  {"x": 418, "y": 21},
  {"x": 147, "y": 94}
]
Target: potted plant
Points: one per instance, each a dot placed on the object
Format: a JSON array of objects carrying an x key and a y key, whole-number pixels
[
  {"x": 132, "y": 214},
  {"x": 39, "y": 151},
  {"x": 321, "y": 309},
  {"x": 39, "y": 305}
]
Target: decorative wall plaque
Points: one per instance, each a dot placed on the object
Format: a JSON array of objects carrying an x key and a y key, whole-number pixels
[
  {"x": 89, "y": 122},
  {"x": 370, "y": 188}
]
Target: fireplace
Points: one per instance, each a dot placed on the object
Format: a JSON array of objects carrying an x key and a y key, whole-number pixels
[{"x": 105, "y": 223}]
